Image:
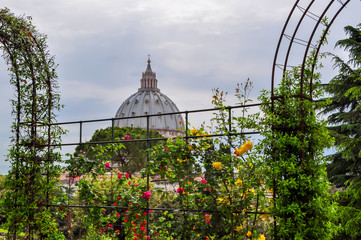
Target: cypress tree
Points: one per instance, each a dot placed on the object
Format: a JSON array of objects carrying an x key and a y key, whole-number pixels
[
  {"x": 345, "y": 124},
  {"x": 344, "y": 111}
]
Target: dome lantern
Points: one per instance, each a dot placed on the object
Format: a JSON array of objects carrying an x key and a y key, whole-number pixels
[{"x": 149, "y": 80}]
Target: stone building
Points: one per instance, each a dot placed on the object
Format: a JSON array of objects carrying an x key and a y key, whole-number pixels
[{"x": 150, "y": 101}]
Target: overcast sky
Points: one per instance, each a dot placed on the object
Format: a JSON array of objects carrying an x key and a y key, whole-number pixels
[{"x": 101, "y": 47}]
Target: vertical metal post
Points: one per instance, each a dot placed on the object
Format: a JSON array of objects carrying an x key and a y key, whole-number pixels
[
  {"x": 187, "y": 125},
  {"x": 148, "y": 146},
  {"x": 80, "y": 131},
  {"x": 112, "y": 129}
]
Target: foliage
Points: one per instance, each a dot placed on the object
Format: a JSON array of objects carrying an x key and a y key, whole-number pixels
[
  {"x": 2, "y": 194},
  {"x": 293, "y": 145},
  {"x": 345, "y": 125},
  {"x": 130, "y": 159},
  {"x": 344, "y": 111},
  {"x": 116, "y": 202},
  {"x": 33, "y": 177},
  {"x": 219, "y": 194},
  {"x": 219, "y": 180}
]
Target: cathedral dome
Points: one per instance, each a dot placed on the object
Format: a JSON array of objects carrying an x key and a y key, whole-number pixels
[{"x": 148, "y": 101}]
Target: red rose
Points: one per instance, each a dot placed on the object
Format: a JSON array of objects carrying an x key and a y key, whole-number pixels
[
  {"x": 147, "y": 194},
  {"x": 180, "y": 190}
]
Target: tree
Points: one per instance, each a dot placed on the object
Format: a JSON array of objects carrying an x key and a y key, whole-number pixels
[
  {"x": 345, "y": 125},
  {"x": 130, "y": 159},
  {"x": 344, "y": 110}
]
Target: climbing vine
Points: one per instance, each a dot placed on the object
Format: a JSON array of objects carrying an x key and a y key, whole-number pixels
[
  {"x": 33, "y": 177},
  {"x": 293, "y": 144}
]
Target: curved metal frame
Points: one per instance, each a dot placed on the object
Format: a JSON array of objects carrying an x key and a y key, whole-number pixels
[
  {"x": 307, "y": 45},
  {"x": 309, "y": 42}
]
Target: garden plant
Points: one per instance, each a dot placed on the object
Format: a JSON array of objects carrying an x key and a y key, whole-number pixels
[{"x": 246, "y": 176}]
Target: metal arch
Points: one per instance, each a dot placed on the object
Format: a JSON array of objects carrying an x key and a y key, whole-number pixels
[
  {"x": 323, "y": 38},
  {"x": 277, "y": 49},
  {"x": 307, "y": 45},
  {"x": 309, "y": 42}
]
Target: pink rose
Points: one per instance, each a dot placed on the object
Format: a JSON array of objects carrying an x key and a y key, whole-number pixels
[
  {"x": 127, "y": 137},
  {"x": 147, "y": 194},
  {"x": 204, "y": 181},
  {"x": 180, "y": 190},
  {"x": 107, "y": 165}
]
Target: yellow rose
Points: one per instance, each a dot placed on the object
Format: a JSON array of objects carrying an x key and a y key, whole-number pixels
[
  {"x": 262, "y": 237},
  {"x": 194, "y": 130},
  {"x": 180, "y": 160},
  {"x": 239, "y": 151},
  {"x": 248, "y": 145},
  {"x": 217, "y": 165},
  {"x": 244, "y": 148},
  {"x": 239, "y": 228},
  {"x": 238, "y": 182}
]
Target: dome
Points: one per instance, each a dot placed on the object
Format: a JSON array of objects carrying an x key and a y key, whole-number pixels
[{"x": 149, "y": 101}]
